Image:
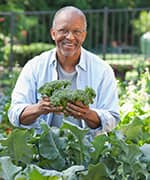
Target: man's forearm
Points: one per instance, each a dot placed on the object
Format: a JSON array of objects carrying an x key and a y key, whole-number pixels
[
  {"x": 32, "y": 112},
  {"x": 29, "y": 114},
  {"x": 92, "y": 119}
]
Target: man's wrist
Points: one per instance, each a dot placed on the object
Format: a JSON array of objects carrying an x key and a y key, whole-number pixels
[{"x": 92, "y": 119}]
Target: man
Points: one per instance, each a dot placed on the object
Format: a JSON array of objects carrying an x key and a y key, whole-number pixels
[{"x": 69, "y": 60}]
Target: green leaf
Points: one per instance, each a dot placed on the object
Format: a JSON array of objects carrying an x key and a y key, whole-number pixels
[
  {"x": 52, "y": 146},
  {"x": 99, "y": 146},
  {"x": 33, "y": 172},
  {"x": 146, "y": 151},
  {"x": 133, "y": 153},
  {"x": 133, "y": 130},
  {"x": 7, "y": 168},
  {"x": 17, "y": 146},
  {"x": 97, "y": 172},
  {"x": 139, "y": 171},
  {"x": 71, "y": 173},
  {"x": 38, "y": 173},
  {"x": 80, "y": 143}
]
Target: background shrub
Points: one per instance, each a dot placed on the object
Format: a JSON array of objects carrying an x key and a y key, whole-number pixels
[{"x": 22, "y": 53}]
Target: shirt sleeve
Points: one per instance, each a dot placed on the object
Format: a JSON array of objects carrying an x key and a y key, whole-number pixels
[
  {"x": 24, "y": 94},
  {"x": 107, "y": 106}
]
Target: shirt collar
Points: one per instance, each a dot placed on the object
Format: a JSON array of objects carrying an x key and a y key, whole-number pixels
[
  {"x": 82, "y": 62},
  {"x": 53, "y": 59}
]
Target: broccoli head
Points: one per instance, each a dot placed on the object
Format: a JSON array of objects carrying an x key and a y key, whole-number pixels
[{"x": 60, "y": 94}]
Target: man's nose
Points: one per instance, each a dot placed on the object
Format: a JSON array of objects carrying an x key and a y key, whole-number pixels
[{"x": 70, "y": 35}]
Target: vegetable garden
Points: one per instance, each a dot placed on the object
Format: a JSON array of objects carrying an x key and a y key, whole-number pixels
[{"x": 68, "y": 153}]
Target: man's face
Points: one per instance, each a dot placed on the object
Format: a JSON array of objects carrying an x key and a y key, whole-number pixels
[{"x": 69, "y": 34}]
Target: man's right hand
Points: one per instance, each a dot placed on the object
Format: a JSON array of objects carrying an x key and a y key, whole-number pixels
[{"x": 32, "y": 112}]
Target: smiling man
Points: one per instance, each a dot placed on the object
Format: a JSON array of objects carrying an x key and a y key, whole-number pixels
[
  {"x": 69, "y": 33},
  {"x": 69, "y": 61}
]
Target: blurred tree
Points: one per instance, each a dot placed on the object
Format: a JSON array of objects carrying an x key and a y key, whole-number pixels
[
  {"x": 38, "y": 24},
  {"x": 32, "y": 5},
  {"x": 142, "y": 23}
]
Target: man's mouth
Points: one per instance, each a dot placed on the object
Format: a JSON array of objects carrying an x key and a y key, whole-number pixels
[{"x": 68, "y": 45}]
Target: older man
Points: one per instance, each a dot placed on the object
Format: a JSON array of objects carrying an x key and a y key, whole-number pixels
[{"x": 70, "y": 61}]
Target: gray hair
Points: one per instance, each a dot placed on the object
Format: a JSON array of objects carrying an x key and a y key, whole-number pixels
[{"x": 70, "y": 8}]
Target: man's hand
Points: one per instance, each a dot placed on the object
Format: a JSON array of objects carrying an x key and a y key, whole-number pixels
[
  {"x": 32, "y": 112},
  {"x": 79, "y": 111},
  {"x": 45, "y": 106}
]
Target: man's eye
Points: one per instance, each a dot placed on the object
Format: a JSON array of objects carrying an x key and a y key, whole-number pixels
[
  {"x": 62, "y": 31},
  {"x": 77, "y": 32}
]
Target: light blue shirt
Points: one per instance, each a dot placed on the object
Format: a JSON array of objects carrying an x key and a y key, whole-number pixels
[{"x": 91, "y": 71}]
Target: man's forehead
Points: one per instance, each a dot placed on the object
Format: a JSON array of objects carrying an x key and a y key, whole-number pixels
[
  {"x": 68, "y": 13},
  {"x": 70, "y": 18}
]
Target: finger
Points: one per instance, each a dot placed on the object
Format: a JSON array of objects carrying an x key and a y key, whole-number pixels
[
  {"x": 57, "y": 109},
  {"x": 44, "y": 103},
  {"x": 67, "y": 113},
  {"x": 76, "y": 114},
  {"x": 79, "y": 103},
  {"x": 76, "y": 108},
  {"x": 45, "y": 98}
]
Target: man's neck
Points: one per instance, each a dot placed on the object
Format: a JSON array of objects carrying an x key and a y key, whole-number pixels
[{"x": 68, "y": 63}]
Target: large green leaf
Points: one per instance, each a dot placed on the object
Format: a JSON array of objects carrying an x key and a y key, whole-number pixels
[
  {"x": 72, "y": 172},
  {"x": 97, "y": 172},
  {"x": 7, "y": 168},
  {"x": 79, "y": 143},
  {"x": 17, "y": 146},
  {"x": 139, "y": 171},
  {"x": 99, "y": 146},
  {"x": 52, "y": 146},
  {"x": 36, "y": 173},
  {"x": 130, "y": 154},
  {"x": 146, "y": 151},
  {"x": 33, "y": 172},
  {"x": 133, "y": 131}
]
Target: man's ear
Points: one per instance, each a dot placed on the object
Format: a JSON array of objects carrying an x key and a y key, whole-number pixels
[
  {"x": 84, "y": 36},
  {"x": 52, "y": 33}
]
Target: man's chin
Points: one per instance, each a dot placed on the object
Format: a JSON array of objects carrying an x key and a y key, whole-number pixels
[{"x": 67, "y": 54}]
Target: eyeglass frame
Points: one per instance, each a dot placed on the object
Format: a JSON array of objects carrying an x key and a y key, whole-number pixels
[{"x": 65, "y": 32}]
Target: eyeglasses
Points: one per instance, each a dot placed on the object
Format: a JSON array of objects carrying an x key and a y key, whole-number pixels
[{"x": 65, "y": 32}]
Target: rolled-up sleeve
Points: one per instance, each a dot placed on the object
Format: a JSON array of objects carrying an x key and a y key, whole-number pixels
[
  {"x": 107, "y": 106},
  {"x": 24, "y": 94}
]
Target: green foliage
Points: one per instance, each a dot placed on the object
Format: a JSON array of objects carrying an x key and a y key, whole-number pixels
[
  {"x": 7, "y": 168},
  {"x": 142, "y": 24},
  {"x": 60, "y": 94},
  {"x": 50, "y": 87},
  {"x": 3, "y": 41},
  {"x": 31, "y": 5},
  {"x": 78, "y": 145},
  {"x": 22, "y": 53},
  {"x": 18, "y": 151},
  {"x": 67, "y": 153},
  {"x": 8, "y": 80},
  {"x": 52, "y": 147},
  {"x": 135, "y": 110},
  {"x": 60, "y": 149}
]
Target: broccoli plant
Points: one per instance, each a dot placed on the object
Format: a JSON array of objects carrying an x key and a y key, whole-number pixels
[
  {"x": 60, "y": 93},
  {"x": 50, "y": 87}
]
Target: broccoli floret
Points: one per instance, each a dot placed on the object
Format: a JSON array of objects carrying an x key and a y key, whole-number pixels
[
  {"x": 60, "y": 94},
  {"x": 48, "y": 88},
  {"x": 61, "y": 97},
  {"x": 85, "y": 96}
]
